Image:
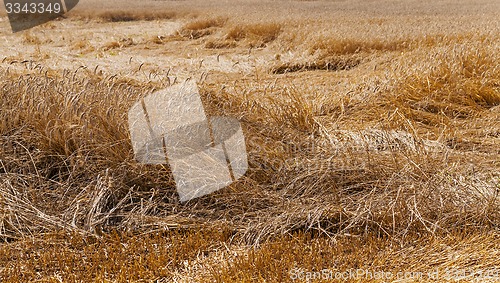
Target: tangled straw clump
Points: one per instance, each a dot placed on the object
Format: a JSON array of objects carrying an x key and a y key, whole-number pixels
[
  {"x": 462, "y": 79},
  {"x": 201, "y": 27},
  {"x": 385, "y": 142},
  {"x": 257, "y": 34},
  {"x": 128, "y": 15},
  {"x": 229, "y": 34},
  {"x": 412, "y": 165},
  {"x": 61, "y": 136}
]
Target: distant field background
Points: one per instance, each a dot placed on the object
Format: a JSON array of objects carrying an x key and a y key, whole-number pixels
[{"x": 372, "y": 127}]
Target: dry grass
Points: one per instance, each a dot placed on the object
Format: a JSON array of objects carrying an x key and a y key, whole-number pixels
[
  {"x": 129, "y": 15},
  {"x": 258, "y": 35},
  {"x": 201, "y": 28},
  {"x": 84, "y": 46},
  {"x": 372, "y": 144},
  {"x": 335, "y": 63},
  {"x": 122, "y": 43},
  {"x": 220, "y": 44}
]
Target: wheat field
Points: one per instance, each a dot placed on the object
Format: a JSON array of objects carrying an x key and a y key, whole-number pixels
[{"x": 372, "y": 130}]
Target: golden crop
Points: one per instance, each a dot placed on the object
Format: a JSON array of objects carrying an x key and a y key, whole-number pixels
[{"x": 372, "y": 127}]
